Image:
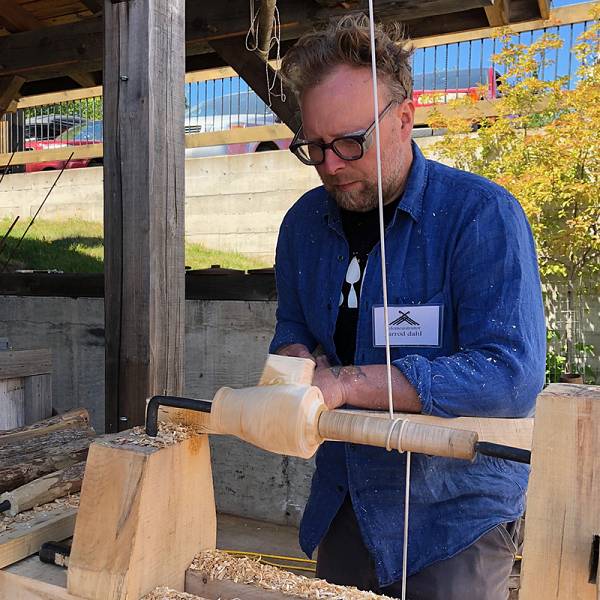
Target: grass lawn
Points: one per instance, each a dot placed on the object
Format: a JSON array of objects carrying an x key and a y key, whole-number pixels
[{"x": 77, "y": 246}]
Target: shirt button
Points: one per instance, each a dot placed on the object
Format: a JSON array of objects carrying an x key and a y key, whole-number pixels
[{"x": 341, "y": 258}]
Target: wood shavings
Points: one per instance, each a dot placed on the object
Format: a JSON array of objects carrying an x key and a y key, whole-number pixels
[
  {"x": 165, "y": 593},
  {"x": 168, "y": 434},
  {"x": 219, "y": 565},
  {"x": 7, "y": 522}
]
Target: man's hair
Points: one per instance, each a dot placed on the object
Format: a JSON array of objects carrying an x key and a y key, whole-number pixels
[{"x": 346, "y": 41}]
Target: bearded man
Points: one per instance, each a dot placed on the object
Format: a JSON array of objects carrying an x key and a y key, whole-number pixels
[{"x": 466, "y": 326}]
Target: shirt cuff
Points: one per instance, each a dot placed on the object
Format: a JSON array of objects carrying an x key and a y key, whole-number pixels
[{"x": 417, "y": 371}]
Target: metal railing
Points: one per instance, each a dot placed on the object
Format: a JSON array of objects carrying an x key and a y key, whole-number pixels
[{"x": 218, "y": 100}]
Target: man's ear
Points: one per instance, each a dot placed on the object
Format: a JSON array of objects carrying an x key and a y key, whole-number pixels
[{"x": 406, "y": 114}]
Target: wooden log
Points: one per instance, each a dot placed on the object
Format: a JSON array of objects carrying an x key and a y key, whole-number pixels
[
  {"x": 26, "y": 538},
  {"x": 144, "y": 514},
  {"x": 563, "y": 501},
  {"x": 27, "y": 459},
  {"x": 45, "y": 489},
  {"x": 74, "y": 419}
]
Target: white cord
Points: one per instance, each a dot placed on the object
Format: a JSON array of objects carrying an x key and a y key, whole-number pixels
[{"x": 385, "y": 298}]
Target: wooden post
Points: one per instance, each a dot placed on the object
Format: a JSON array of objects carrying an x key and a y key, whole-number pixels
[
  {"x": 143, "y": 204},
  {"x": 563, "y": 502}
]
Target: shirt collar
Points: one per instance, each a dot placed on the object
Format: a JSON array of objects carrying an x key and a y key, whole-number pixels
[{"x": 412, "y": 197}]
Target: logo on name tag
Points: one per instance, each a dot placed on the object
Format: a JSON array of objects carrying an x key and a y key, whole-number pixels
[{"x": 417, "y": 325}]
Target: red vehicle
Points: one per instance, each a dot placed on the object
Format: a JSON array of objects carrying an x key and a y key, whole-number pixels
[
  {"x": 89, "y": 132},
  {"x": 444, "y": 86}
]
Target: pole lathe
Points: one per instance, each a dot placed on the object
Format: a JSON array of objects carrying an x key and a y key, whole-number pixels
[{"x": 293, "y": 420}]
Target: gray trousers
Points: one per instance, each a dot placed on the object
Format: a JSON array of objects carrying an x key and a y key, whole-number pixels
[{"x": 481, "y": 572}]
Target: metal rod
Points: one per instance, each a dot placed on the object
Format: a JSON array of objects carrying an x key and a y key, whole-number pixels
[
  {"x": 175, "y": 401},
  {"x": 505, "y": 452},
  {"x": 16, "y": 247},
  {"x": 7, "y": 165},
  {"x": 5, "y": 237}
]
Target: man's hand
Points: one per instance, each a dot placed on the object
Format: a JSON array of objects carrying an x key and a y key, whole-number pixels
[{"x": 296, "y": 350}]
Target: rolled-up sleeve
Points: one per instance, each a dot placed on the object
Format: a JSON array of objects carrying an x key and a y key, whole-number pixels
[
  {"x": 498, "y": 367},
  {"x": 291, "y": 325}
]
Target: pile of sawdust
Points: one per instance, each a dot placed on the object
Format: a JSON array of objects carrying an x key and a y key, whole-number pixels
[
  {"x": 219, "y": 565},
  {"x": 168, "y": 434},
  {"x": 165, "y": 593}
]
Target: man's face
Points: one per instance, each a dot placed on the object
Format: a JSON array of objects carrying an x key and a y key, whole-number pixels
[{"x": 342, "y": 103}]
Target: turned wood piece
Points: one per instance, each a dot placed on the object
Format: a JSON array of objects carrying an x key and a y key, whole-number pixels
[
  {"x": 45, "y": 489},
  {"x": 406, "y": 435},
  {"x": 280, "y": 370},
  {"x": 26, "y": 458},
  {"x": 278, "y": 418}
]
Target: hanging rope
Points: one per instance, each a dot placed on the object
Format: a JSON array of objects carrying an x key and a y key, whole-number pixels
[
  {"x": 385, "y": 299},
  {"x": 264, "y": 36}
]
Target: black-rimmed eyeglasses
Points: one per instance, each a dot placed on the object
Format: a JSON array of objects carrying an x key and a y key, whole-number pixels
[{"x": 348, "y": 147}]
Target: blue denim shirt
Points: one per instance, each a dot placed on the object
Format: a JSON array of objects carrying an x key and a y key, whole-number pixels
[{"x": 455, "y": 239}]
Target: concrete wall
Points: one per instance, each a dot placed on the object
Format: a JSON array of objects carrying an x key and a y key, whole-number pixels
[
  {"x": 226, "y": 344},
  {"x": 232, "y": 202}
]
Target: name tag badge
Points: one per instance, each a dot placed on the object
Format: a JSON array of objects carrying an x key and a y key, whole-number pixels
[{"x": 414, "y": 325}]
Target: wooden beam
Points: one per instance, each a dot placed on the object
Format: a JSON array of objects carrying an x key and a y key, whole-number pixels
[
  {"x": 544, "y": 6},
  {"x": 143, "y": 205},
  {"x": 27, "y": 157},
  {"x": 52, "y": 51},
  {"x": 563, "y": 15},
  {"x": 23, "y": 363},
  {"x": 17, "y": 19},
  {"x": 563, "y": 500},
  {"x": 17, "y": 587},
  {"x": 257, "y": 74},
  {"x": 144, "y": 513},
  {"x": 94, "y": 6},
  {"x": 498, "y": 13},
  {"x": 9, "y": 89},
  {"x": 25, "y": 538}
]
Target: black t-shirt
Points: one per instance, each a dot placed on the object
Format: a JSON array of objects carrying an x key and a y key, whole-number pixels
[{"x": 362, "y": 232}]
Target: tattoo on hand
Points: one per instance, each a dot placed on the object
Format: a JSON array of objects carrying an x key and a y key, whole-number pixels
[{"x": 352, "y": 371}]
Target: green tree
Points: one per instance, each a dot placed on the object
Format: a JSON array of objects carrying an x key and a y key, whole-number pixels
[{"x": 544, "y": 147}]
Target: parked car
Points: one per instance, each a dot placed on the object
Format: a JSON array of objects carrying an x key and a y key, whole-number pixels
[
  {"x": 87, "y": 132},
  {"x": 443, "y": 86},
  {"x": 231, "y": 111}
]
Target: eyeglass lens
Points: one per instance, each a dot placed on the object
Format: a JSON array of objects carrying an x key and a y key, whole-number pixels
[{"x": 345, "y": 148}]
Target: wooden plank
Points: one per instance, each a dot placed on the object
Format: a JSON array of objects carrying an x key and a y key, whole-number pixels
[
  {"x": 38, "y": 398},
  {"x": 26, "y": 538},
  {"x": 563, "y": 501},
  {"x": 57, "y": 97},
  {"x": 62, "y": 153},
  {"x": 239, "y": 135},
  {"x": 544, "y": 6},
  {"x": 144, "y": 514},
  {"x": 23, "y": 363},
  {"x": 12, "y": 403},
  {"x": 199, "y": 584},
  {"x": 144, "y": 205},
  {"x": 17, "y": 587},
  {"x": 254, "y": 71}
]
